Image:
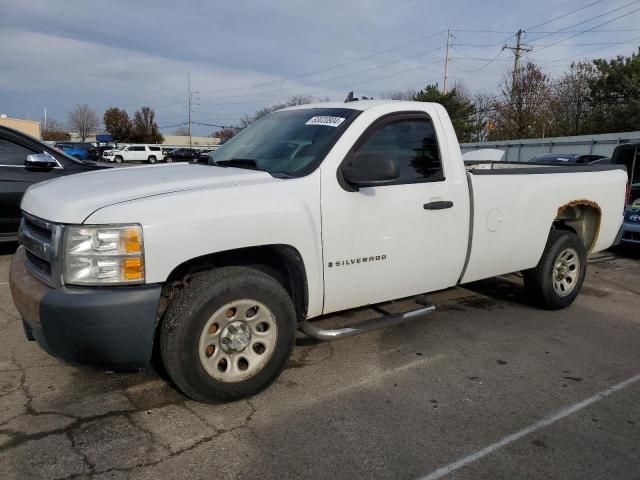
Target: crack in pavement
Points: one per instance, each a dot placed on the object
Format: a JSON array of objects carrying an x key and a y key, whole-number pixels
[{"x": 208, "y": 438}]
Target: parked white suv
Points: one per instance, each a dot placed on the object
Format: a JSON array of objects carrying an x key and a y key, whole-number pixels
[{"x": 134, "y": 153}]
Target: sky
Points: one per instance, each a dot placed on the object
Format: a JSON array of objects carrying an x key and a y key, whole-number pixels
[{"x": 245, "y": 55}]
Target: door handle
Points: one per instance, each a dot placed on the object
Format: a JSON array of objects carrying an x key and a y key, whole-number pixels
[{"x": 439, "y": 205}]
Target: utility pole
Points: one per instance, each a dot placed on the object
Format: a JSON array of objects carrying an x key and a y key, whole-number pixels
[
  {"x": 446, "y": 63},
  {"x": 45, "y": 118},
  {"x": 517, "y": 50},
  {"x": 189, "y": 102}
]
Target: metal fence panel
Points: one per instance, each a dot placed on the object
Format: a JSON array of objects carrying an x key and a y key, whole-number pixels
[{"x": 525, "y": 149}]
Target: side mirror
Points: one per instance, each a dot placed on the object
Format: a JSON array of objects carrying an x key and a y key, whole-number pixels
[
  {"x": 41, "y": 161},
  {"x": 370, "y": 170}
]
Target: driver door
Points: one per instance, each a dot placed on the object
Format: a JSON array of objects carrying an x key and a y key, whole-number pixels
[{"x": 398, "y": 239}]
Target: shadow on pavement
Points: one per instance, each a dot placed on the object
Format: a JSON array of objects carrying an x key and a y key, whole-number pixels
[{"x": 8, "y": 248}]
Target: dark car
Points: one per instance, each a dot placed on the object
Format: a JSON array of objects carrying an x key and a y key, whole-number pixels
[
  {"x": 567, "y": 159},
  {"x": 182, "y": 155},
  {"x": 95, "y": 153},
  {"x": 203, "y": 156},
  {"x": 631, "y": 227},
  {"x": 627, "y": 155},
  {"x": 23, "y": 162}
]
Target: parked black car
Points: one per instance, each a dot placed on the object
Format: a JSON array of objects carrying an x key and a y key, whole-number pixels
[
  {"x": 182, "y": 155},
  {"x": 203, "y": 156},
  {"x": 95, "y": 153},
  {"x": 567, "y": 158},
  {"x": 25, "y": 161}
]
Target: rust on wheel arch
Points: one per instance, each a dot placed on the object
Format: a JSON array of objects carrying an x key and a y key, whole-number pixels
[{"x": 583, "y": 233}]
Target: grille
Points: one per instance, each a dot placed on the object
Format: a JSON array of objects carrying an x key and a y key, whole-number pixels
[
  {"x": 41, "y": 241},
  {"x": 634, "y": 236}
]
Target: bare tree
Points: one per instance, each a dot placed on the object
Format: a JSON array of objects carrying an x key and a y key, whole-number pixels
[
  {"x": 570, "y": 104},
  {"x": 225, "y": 134},
  {"x": 483, "y": 107},
  {"x": 523, "y": 110},
  {"x": 247, "y": 120},
  {"x": 409, "y": 94},
  {"x": 54, "y": 131},
  {"x": 84, "y": 120}
]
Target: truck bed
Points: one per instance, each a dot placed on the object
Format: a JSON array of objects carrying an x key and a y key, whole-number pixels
[{"x": 513, "y": 206}]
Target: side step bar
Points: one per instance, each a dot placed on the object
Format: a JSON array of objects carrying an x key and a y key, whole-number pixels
[{"x": 365, "y": 325}]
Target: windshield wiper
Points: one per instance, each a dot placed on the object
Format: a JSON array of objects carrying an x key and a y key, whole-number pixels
[{"x": 239, "y": 162}]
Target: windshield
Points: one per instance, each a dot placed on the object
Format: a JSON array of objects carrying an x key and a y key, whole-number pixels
[{"x": 289, "y": 143}]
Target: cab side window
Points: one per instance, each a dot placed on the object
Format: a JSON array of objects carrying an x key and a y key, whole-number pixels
[
  {"x": 12, "y": 154},
  {"x": 411, "y": 143}
]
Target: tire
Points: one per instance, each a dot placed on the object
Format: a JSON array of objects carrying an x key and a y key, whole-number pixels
[
  {"x": 118, "y": 159},
  {"x": 151, "y": 159},
  {"x": 204, "y": 345},
  {"x": 168, "y": 159},
  {"x": 557, "y": 279}
]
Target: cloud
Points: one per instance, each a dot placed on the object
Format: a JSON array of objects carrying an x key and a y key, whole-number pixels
[{"x": 127, "y": 53}]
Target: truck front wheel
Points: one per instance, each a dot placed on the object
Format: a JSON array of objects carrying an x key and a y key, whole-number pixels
[
  {"x": 228, "y": 334},
  {"x": 557, "y": 279}
]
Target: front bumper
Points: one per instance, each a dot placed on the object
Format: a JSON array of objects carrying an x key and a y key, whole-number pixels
[
  {"x": 630, "y": 233},
  {"x": 107, "y": 327}
]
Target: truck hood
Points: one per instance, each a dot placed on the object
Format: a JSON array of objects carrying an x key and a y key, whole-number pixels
[{"x": 73, "y": 198}]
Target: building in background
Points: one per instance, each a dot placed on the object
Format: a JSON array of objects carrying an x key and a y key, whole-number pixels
[
  {"x": 25, "y": 126},
  {"x": 183, "y": 141}
]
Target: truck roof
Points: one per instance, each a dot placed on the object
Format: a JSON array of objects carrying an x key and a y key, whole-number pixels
[{"x": 355, "y": 105}]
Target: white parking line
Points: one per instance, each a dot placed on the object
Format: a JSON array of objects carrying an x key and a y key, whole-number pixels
[{"x": 545, "y": 422}]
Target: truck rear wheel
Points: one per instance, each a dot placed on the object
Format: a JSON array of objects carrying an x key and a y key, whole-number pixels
[
  {"x": 228, "y": 334},
  {"x": 557, "y": 279},
  {"x": 151, "y": 159}
]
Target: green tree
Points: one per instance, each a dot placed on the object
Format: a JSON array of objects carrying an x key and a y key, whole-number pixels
[
  {"x": 145, "y": 129},
  {"x": 458, "y": 106},
  {"x": 117, "y": 124},
  {"x": 615, "y": 95}
]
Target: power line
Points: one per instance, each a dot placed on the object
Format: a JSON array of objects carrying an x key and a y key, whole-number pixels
[
  {"x": 589, "y": 29},
  {"x": 565, "y": 15},
  {"x": 632, "y": 40},
  {"x": 588, "y": 20},
  {"x": 339, "y": 87},
  {"x": 613, "y": 30},
  {"x": 333, "y": 67},
  {"x": 489, "y": 62},
  {"x": 375, "y": 67}
]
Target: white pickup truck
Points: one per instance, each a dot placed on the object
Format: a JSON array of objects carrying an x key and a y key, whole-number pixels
[{"x": 312, "y": 210}]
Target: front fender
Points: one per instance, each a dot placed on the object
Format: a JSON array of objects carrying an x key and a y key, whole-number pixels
[{"x": 181, "y": 226}]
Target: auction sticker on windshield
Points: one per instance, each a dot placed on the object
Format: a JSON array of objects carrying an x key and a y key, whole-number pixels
[{"x": 325, "y": 120}]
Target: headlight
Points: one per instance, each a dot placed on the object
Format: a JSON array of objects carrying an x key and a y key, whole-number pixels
[{"x": 96, "y": 255}]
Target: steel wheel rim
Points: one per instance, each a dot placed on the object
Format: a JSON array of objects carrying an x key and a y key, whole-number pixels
[
  {"x": 565, "y": 272},
  {"x": 238, "y": 340}
]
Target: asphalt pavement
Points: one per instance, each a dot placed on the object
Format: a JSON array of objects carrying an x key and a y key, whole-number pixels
[{"x": 487, "y": 387}]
